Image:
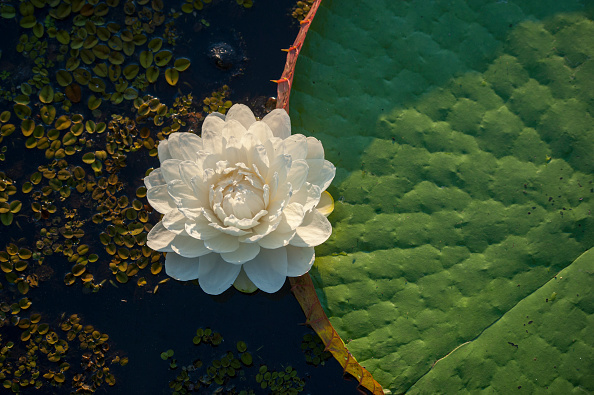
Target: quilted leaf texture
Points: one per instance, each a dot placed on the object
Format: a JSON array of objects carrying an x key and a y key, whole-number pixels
[
  {"x": 544, "y": 342},
  {"x": 463, "y": 138}
]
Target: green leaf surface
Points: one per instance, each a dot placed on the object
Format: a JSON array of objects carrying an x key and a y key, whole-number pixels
[
  {"x": 463, "y": 140},
  {"x": 545, "y": 341}
]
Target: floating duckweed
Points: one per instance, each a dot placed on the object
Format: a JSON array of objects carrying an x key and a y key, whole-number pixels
[
  {"x": 156, "y": 268},
  {"x": 5, "y": 116},
  {"x": 181, "y": 64},
  {"x": 152, "y": 73},
  {"x": 172, "y": 76},
  {"x": 94, "y": 102},
  {"x": 155, "y": 44},
  {"x": 163, "y": 57},
  {"x": 245, "y": 3},
  {"x": 241, "y": 346}
]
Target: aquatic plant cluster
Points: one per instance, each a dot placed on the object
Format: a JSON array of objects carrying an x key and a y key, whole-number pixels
[{"x": 229, "y": 372}]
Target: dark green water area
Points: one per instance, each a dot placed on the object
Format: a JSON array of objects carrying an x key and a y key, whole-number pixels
[{"x": 87, "y": 89}]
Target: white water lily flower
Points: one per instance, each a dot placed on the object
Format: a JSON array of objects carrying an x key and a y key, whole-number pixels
[{"x": 243, "y": 204}]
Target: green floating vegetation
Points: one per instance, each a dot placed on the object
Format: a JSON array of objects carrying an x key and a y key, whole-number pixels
[
  {"x": 200, "y": 376},
  {"x": 314, "y": 351}
]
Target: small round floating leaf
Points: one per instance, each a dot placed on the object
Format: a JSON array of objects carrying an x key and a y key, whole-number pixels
[
  {"x": 100, "y": 70},
  {"x": 87, "y": 56},
  {"x": 246, "y": 358},
  {"x": 94, "y": 102},
  {"x": 63, "y": 122},
  {"x": 73, "y": 93},
  {"x": 181, "y": 64},
  {"x": 78, "y": 269},
  {"x": 172, "y": 76},
  {"x": 88, "y": 158},
  {"x": 155, "y": 44},
  {"x": 23, "y": 286},
  {"x": 28, "y": 21},
  {"x": 46, "y": 94},
  {"x": 163, "y": 57},
  {"x": 63, "y": 77},
  {"x": 241, "y": 346},
  {"x": 7, "y": 12},
  {"x": 90, "y": 126},
  {"x": 152, "y": 73},
  {"x": 122, "y": 277},
  {"x": 187, "y": 8},
  {"x": 116, "y": 57},
  {"x": 15, "y": 207},
  {"x": 131, "y": 71},
  {"x": 156, "y": 268},
  {"x": 90, "y": 42},
  {"x": 7, "y": 129},
  {"x": 96, "y": 85},
  {"x": 139, "y": 39},
  {"x": 5, "y": 116},
  {"x": 82, "y": 76},
  {"x": 146, "y": 59},
  {"x": 38, "y": 30},
  {"x": 63, "y": 37},
  {"x": 22, "y": 111},
  {"x": 130, "y": 94},
  {"x": 101, "y": 51}
]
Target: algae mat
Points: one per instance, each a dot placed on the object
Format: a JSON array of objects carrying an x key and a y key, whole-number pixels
[{"x": 463, "y": 138}]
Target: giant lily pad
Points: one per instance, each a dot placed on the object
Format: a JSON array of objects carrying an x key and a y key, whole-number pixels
[{"x": 462, "y": 163}]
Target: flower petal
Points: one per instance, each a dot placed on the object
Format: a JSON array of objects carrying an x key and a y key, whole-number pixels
[
  {"x": 233, "y": 130},
  {"x": 215, "y": 275},
  {"x": 189, "y": 169},
  {"x": 174, "y": 221},
  {"x": 308, "y": 196},
  {"x": 243, "y": 283},
  {"x": 276, "y": 239},
  {"x": 241, "y": 113},
  {"x": 180, "y": 192},
  {"x": 180, "y": 268},
  {"x": 190, "y": 144},
  {"x": 222, "y": 243},
  {"x": 245, "y": 252},
  {"x": 298, "y": 174},
  {"x": 300, "y": 260},
  {"x": 159, "y": 238},
  {"x": 279, "y": 122},
  {"x": 158, "y": 197},
  {"x": 321, "y": 173},
  {"x": 213, "y": 123},
  {"x": 261, "y": 131},
  {"x": 200, "y": 229},
  {"x": 268, "y": 270},
  {"x": 154, "y": 179},
  {"x": 163, "y": 151},
  {"x": 315, "y": 150},
  {"x": 314, "y": 230},
  {"x": 170, "y": 169},
  {"x": 296, "y": 146},
  {"x": 212, "y": 142},
  {"x": 291, "y": 217},
  {"x": 188, "y": 246}
]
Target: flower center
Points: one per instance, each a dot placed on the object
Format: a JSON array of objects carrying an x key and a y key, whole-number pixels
[{"x": 238, "y": 193}]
